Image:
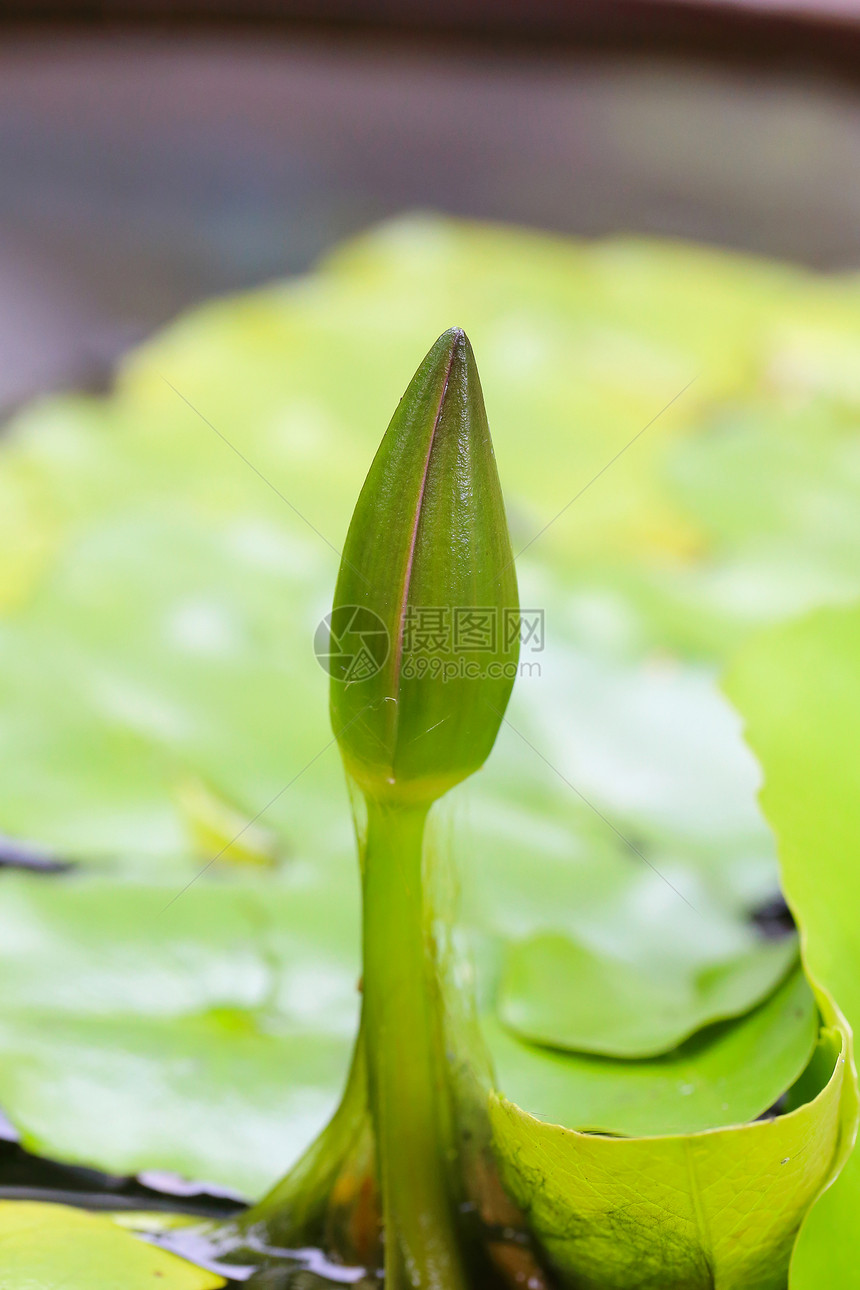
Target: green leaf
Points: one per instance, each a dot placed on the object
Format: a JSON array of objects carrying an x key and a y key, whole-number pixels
[
  {"x": 54, "y": 1247},
  {"x": 673, "y": 1213},
  {"x": 798, "y": 689},
  {"x": 560, "y": 993},
  {"x": 727, "y": 1074}
]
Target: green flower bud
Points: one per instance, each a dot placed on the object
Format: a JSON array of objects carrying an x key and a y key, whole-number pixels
[{"x": 425, "y": 624}]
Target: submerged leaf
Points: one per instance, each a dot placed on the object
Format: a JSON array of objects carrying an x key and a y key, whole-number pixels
[
  {"x": 219, "y": 832},
  {"x": 559, "y": 993},
  {"x": 726, "y": 1074}
]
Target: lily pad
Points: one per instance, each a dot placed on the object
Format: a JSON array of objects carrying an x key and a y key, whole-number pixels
[
  {"x": 54, "y": 1247},
  {"x": 799, "y": 689},
  {"x": 209, "y": 1036},
  {"x": 561, "y": 994}
]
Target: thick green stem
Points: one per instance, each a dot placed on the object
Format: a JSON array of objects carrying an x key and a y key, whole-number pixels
[{"x": 405, "y": 1058}]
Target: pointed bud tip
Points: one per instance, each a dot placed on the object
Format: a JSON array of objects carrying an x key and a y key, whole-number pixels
[{"x": 450, "y": 341}]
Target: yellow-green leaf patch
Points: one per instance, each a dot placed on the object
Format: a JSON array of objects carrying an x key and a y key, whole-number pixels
[
  {"x": 798, "y": 688},
  {"x": 55, "y": 1247},
  {"x": 710, "y": 1211}
]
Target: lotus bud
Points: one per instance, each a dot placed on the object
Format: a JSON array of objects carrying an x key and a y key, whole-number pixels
[{"x": 425, "y": 624}]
